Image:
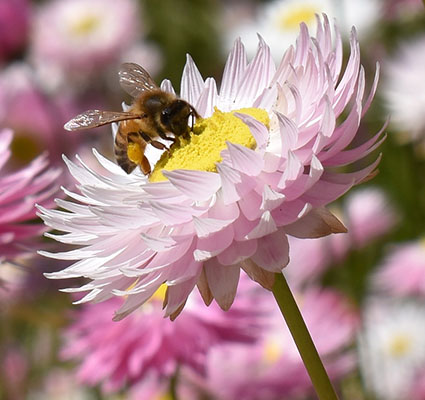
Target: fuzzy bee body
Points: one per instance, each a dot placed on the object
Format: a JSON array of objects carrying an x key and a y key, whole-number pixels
[{"x": 152, "y": 114}]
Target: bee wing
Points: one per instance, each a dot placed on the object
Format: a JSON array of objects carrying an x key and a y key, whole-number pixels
[
  {"x": 135, "y": 80},
  {"x": 93, "y": 118}
]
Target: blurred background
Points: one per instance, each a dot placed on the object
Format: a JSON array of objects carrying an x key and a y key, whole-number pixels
[{"x": 362, "y": 293}]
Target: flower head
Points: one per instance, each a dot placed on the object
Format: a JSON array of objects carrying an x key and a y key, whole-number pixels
[
  {"x": 35, "y": 119},
  {"x": 392, "y": 347},
  {"x": 277, "y": 21},
  {"x": 19, "y": 191},
  {"x": 80, "y": 37},
  {"x": 402, "y": 273},
  {"x": 200, "y": 226},
  {"x": 405, "y": 76},
  {"x": 146, "y": 345}
]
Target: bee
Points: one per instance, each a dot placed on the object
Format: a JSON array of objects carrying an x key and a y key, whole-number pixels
[{"x": 152, "y": 114}]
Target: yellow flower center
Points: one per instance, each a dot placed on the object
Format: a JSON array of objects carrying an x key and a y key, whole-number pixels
[
  {"x": 208, "y": 138},
  {"x": 400, "y": 345},
  {"x": 293, "y": 16},
  {"x": 85, "y": 26},
  {"x": 159, "y": 295},
  {"x": 272, "y": 351}
]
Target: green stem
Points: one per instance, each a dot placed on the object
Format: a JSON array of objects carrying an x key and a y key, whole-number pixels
[
  {"x": 302, "y": 339},
  {"x": 173, "y": 384}
]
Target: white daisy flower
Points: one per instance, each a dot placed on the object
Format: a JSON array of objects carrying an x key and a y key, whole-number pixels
[
  {"x": 392, "y": 348},
  {"x": 277, "y": 22}
]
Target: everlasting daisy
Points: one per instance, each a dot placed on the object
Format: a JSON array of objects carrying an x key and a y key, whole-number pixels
[
  {"x": 19, "y": 191},
  {"x": 146, "y": 347},
  {"x": 392, "y": 348},
  {"x": 402, "y": 272},
  {"x": 404, "y": 90},
  {"x": 260, "y": 165},
  {"x": 277, "y": 21}
]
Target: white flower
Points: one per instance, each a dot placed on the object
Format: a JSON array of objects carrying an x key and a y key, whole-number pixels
[
  {"x": 392, "y": 348},
  {"x": 404, "y": 89},
  {"x": 277, "y": 22},
  {"x": 235, "y": 191},
  {"x": 80, "y": 37}
]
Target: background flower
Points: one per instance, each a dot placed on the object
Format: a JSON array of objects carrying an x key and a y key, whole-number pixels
[
  {"x": 402, "y": 271},
  {"x": 402, "y": 89},
  {"x": 78, "y": 38},
  {"x": 272, "y": 368},
  {"x": 391, "y": 347},
  {"x": 278, "y": 21},
  {"x": 19, "y": 191},
  {"x": 147, "y": 347},
  {"x": 14, "y": 27}
]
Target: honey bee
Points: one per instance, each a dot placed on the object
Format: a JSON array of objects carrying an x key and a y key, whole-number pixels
[{"x": 152, "y": 114}]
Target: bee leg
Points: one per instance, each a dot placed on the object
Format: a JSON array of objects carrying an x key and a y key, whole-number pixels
[
  {"x": 158, "y": 145},
  {"x": 154, "y": 143},
  {"x": 145, "y": 166},
  {"x": 162, "y": 135}
]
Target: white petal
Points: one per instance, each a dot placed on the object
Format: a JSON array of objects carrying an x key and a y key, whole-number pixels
[
  {"x": 265, "y": 227},
  {"x": 223, "y": 282},
  {"x": 192, "y": 83},
  {"x": 245, "y": 160},
  {"x": 206, "y": 226},
  {"x": 317, "y": 223},
  {"x": 196, "y": 185},
  {"x": 229, "y": 179},
  {"x": 258, "y": 130},
  {"x": 233, "y": 73},
  {"x": 167, "y": 86},
  {"x": 207, "y": 99},
  {"x": 271, "y": 199}
]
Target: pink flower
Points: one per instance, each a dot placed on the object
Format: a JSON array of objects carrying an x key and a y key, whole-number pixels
[
  {"x": 36, "y": 120},
  {"x": 80, "y": 37},
  {"x": 366, "y": 205},
  {"x": 203, "y": 224},
  {"x": 272, "y": 369},
  {"x": 402, "y": 273},
  {"x": 147, "y": 346},
  {"x": 14, "y": 24},
  {"x": 19, "y": 191}
]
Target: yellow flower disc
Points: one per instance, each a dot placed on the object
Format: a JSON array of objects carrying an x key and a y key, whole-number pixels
[
  {"x": 298, "y": 13},
  {"x": 208, "y": 138}
]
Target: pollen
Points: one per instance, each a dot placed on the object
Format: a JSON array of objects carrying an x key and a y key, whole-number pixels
[
  {"x": 135, "y": 153},
  {"x": 400, "y": 345},
  {"x": 291, "y": 19},
  {"x": 202, "y": 150}
]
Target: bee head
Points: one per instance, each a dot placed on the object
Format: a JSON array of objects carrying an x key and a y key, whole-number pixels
[{"x": 176, "y": 115}]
